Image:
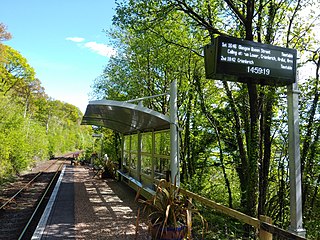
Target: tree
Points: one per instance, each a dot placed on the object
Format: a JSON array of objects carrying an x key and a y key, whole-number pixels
[
  {"x": 245, "y": 122},
  {"x": 311, "y": 133},
  {"x": 16, "y": 72},
  {"x": 4, "y": 34},
  {"x": 33, "y": 126}
]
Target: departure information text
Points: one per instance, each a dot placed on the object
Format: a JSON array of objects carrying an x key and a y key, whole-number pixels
[{"x": 251, "y": 59}]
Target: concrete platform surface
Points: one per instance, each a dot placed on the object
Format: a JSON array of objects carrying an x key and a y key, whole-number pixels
[{"x": 88, "y": 208}]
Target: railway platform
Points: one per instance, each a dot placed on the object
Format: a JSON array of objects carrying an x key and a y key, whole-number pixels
[{"x": 83, "y": 207}]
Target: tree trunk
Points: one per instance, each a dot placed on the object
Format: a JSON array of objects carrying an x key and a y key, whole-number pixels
[
  {"x": 266, "y": 117},
  {"x": 253, "y": 154}
]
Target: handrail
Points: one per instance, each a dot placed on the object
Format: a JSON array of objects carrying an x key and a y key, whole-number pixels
[
  {"x": 258, "y": 224},
  {"x": 223, "y": 209},
  {"x": 279, "y": 231},
  {"x": 255, "y": 222}
]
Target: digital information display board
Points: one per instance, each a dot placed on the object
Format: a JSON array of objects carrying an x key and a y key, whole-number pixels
[{"x": 240, "y": 60}]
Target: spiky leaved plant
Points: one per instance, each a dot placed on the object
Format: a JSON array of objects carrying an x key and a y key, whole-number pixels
[{"x": 169, "y": 208}]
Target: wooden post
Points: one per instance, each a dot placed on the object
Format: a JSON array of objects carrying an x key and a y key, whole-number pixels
[
  {"x": 264, "y": 235},
  {"x": 189, "y": 219}
]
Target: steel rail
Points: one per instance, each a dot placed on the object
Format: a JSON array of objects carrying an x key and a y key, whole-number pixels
[
  {"x": 24, "y": 187},
  {"x": 40, "y": 202}
]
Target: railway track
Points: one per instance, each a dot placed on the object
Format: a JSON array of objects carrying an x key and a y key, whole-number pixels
[{"x": 21, "y": 205}]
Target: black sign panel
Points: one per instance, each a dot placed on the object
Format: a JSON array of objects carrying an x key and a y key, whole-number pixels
[{"x": 240, "y": 60}]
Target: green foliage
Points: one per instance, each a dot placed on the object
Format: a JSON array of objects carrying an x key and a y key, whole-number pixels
[
  {"x": 25, "y": 140},
  {"x": 234, "y": 136},
  {"x": 16, "y": 73},
  {"x": 12, "y": 128},
  {"x": 220, "y": 227},
  {"x": 33, "y": 127}
]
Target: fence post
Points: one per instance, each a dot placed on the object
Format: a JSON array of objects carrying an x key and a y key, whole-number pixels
[
  {"x": 264, "y": 235},
  {"x": 189, "y": 219}
]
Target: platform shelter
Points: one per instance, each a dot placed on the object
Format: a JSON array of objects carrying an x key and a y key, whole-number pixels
[{"x": 149, "y": 148}]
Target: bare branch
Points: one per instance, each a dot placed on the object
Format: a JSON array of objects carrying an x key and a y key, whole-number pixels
[
  {"x": 236, "y": 12},
  {"x": 295, "y": 12},
  {"x": 183, "y": 6},
  {"x": 176, "y": 44}
]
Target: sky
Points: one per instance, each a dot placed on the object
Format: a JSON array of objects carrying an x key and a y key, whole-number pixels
[{"x": 64, "y": 41}]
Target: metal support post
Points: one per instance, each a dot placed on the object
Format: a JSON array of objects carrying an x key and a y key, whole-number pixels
[
  {"x": 294, "y": 161},
  {"x": 122, "y": 153},
  {"x": 139, "y": 156},
  {"x": 174, "y": 135},
  {"x": 101, "y": 150},
  {"x": 99, "y": 135},
  {"x": 153, "y": 163}
]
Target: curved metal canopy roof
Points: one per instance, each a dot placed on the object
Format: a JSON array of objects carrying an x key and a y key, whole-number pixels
[{"x": 124, "y": 117}]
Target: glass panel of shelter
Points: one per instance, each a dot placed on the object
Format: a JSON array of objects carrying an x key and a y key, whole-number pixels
[
  {"x": 162, "y": 154},
  {"x": 155, "y": 155},
  {"x": 146, "y": 154}
]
